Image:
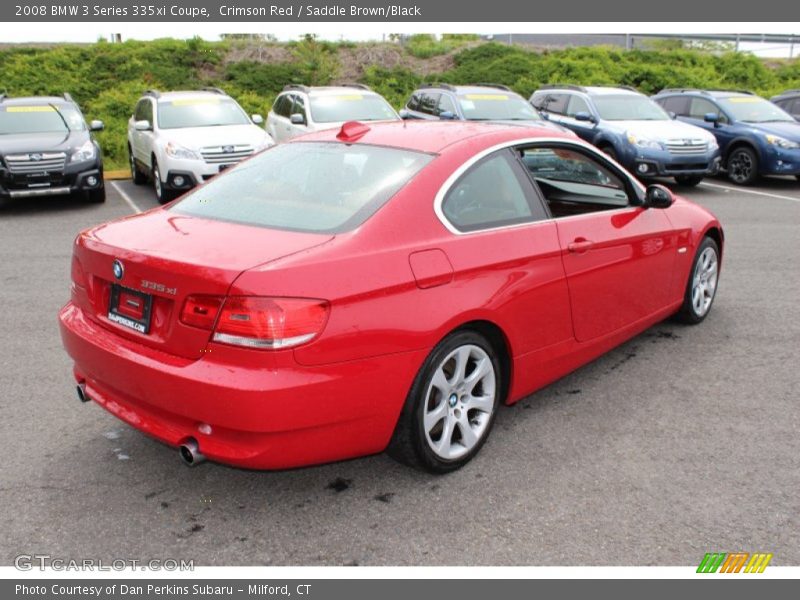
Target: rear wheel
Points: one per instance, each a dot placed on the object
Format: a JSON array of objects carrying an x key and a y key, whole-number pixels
[
  {"x": 702, "y": 285},
  {"x": 451, "y": 406},
  {"x": 688, "y": 180},
  {"x": 742, "y": 166},
  {"x": 137, "y": 176},
  {"x": 163, "y": 195}
]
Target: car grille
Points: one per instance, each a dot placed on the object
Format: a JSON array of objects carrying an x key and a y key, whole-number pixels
[
  {"x": 684, "y": 147},
  {"x": 226, "y": 154},
  {"x": 36, "y": 162}
]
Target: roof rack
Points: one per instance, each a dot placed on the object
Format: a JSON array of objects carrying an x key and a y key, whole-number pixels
[
  {"x": 359, "y": 86},
  {"x": 441, "y": 86},
  {"x": 630, "y": 88},
  {"x": 674, "y": 90},
  {"x": 153, "y": 93},
  {"x": 3, "y": 96},
  {"x": 296, "y": 86},
  {"x": 562, "y": 86},
  {"x": 214, "y": 90},
  {"x": 498, "y": 86},
  {"x": 786, "y": 92},
  {"x": 67, "y": 97}
]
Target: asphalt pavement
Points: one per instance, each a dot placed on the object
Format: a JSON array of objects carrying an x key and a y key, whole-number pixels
[{"x": 683, "y": 441}]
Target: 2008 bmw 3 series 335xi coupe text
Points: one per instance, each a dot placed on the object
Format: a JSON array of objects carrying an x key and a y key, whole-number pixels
[{"x": 371, "y": 288}]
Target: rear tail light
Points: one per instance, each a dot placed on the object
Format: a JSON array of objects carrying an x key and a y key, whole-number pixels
[
  {"x": 257, "y": 322},
  {"x": 201, "y": 311}
]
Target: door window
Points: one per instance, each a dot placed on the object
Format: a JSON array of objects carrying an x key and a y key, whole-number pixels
[{"x": 575, "y": 105}]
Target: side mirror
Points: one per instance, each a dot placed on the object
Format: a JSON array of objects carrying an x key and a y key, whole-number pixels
[
  {"x": 96, "y": 125},
  {"x": 404, "y": 114},
  {"x": 297, "y": 119},
  {"x": 672, "y": 115},
  {"x": 658, "y": 196},
  {"x": 711, "y": 118},
  {"x": 257, "y": 119},
  {"x": 584, "y": 116},
  {"x": 447, "y": 115},
  {"x": 143, "y": 125}
]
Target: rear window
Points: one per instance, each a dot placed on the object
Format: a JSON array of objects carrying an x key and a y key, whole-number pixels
[
  {"x": 314, "y": 187},
  {"x": 350, "y": 107}
]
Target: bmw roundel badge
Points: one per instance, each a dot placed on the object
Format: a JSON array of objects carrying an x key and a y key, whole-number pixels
[{"x": 119, "y": 270}]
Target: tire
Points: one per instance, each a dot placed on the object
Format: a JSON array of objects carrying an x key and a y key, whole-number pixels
[
  {"x": 688, "y": 180},
  {"x": 700, "y": 293},
  {"x": 609, "y": 151},
  {"x": 457, "y": 423},
  {"x": 742, "y": 166},
  {"x": 163, "y": 195},
  {"x": 97, "y": 196},
  {"x": 797, "y": 177},
  {"x": 137, "y": 176}
]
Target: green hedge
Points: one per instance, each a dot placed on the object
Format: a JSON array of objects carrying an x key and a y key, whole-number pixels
[{"x": 106, "y": 79}]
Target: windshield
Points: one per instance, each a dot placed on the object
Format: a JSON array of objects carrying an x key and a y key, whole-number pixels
[
  {"x": 497, "y": 107},
  {"x": 629, "y": 107},
  {"x": 43, "y": 118},
  {"x": 200, "y": 112},
  {"x": 351, "y": 107},
  {"x": 306, "y": 186},
  {"x": 752, "y": 109}
]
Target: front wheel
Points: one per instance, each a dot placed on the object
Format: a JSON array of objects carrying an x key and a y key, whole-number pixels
[
  {"x": 702, "y": 285},
  {"x": 451, "y": 406},
  {"x": 688, "y": 180},
  {"x": 742, "y": 166},
  {"x": 163, "y": 195}
]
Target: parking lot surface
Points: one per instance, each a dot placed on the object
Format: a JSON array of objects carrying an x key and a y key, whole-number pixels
[{"x": 685, "y": 440}]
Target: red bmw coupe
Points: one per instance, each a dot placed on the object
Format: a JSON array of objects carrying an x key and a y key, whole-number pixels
[{"x": 377, "y": 288}]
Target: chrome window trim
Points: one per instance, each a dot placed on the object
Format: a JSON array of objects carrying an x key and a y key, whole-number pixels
[{"x": 456, "y": 175}]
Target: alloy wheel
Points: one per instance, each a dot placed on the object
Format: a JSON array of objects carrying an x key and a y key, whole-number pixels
[{"x": 704, "y": 283}]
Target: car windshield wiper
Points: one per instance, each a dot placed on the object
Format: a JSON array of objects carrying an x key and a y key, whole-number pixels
[{"x": 60, "y": 116}]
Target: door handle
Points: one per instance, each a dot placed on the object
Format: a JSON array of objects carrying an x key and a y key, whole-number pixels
[{"x": 580, "y": 245}]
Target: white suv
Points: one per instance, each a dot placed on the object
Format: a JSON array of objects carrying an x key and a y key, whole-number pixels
[
  {"x": 299, "y": 109},
  {"x": 180, "y": 139}
]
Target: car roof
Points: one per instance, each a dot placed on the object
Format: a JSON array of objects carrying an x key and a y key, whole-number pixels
[
  {"x": 466, "y": 89},
  {"x": 707, "y": 93},
  {"x": 435, "y": 136},
  {"x": 189, "y": 94},
  {"x": 787, "y": 94},
  {"x": 335, "y": 90},
  {"x": 591, "y": 90},
  {"x": 35, "y": 101}
]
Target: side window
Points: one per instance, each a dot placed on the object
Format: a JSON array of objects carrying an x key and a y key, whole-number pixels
[
  {"x": 573, "y": 182},
  {"x": 492, "y": 193},
  {"x": 575, "y": 105},
  {"x": 283, "y": 105},
  {"x": 428, "y": 103},
  {"x": 446, "y": 104},
  {"x": 413, "y": 103},
  {"x": 676, "y": 104},
  {"x": 700, "y": 107},
  {"x": 555, "y": 103},
  {"x": 147, "y": 111},
  {"x": 299, "y": 106},
  {"x": 140, "y": 114},
  {"x": 794, "y": 109}
]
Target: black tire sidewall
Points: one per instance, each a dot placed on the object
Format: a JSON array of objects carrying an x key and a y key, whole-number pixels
[{"x": 418, "y": 394}]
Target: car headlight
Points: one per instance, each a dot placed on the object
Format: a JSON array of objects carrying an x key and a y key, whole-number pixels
[
  {"x": 643, "y": 142},
  {"x": 712, "y": 144},
  {"x": 85, "y": 152},
  {"x": 265, "y": 143},
  {"x": 174, "y": 150},
  {"x": 781, "y": 142}
]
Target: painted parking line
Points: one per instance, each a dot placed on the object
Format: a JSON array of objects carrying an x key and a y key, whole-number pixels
[
  {"x": 125, "y": 197},
  {"x": 740, "y": 190}
]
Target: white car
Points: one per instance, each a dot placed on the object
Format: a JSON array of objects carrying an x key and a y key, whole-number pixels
[
  {"x": 300, "y": 109},
  {"x": 180, "y": 139}
]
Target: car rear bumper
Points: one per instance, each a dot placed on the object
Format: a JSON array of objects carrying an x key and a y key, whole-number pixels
[{"x": 266, "y": 418}]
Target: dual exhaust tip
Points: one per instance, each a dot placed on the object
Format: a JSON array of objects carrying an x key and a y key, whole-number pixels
[{"x": 189, "y": 451}]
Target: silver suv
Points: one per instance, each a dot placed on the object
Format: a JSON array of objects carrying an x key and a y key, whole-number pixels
[
  {"x": 300, "y": 109},
  {"x": 179, "y": 139}
]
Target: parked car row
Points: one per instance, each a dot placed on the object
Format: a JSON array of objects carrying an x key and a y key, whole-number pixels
[{"x": 179, "y": 139}]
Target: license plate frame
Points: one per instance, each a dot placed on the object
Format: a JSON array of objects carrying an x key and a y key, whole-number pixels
[{"x": 140, "y": 325}]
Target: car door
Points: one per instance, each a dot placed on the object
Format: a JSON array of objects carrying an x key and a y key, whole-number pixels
[
  {"x": 617, "y": 255},
  {"x": 584, "y": 129},
  {"x": 142, "y": 141},
  {"x": 722, "y": 130}
]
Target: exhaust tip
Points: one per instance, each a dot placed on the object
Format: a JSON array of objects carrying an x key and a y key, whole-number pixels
[
  {"x": 82, "y": 395},
  {"x": 190, "y": 453}
]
